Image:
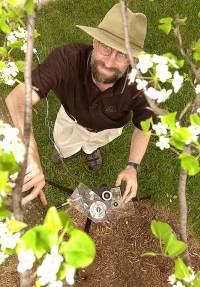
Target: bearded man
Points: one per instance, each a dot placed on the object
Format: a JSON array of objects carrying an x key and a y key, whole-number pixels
[{"x": 91, "y": 83}]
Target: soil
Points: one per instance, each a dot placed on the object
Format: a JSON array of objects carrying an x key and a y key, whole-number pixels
[{"x": 119, "y": 245}]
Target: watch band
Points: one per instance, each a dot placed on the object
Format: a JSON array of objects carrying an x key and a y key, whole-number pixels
[{"x": 135, "y": 165}]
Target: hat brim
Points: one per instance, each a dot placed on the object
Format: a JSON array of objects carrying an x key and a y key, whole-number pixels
[{"x": 110, "y": 40}]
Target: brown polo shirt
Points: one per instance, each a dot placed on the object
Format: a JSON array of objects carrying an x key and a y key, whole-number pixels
[{"x": 67, "y": 72}]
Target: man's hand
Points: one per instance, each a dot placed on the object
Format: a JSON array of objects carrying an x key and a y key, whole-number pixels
[
  {"x": 34, "y": 178},
  {"x": 129, "y": 175}
]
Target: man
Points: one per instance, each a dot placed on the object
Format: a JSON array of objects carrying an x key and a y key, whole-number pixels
[{"x": 96, "y": 100}]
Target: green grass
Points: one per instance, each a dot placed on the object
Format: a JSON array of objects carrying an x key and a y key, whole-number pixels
[{"x": 159, "y": 177}]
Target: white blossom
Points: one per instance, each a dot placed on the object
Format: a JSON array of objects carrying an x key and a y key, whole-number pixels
[
  {"x": 11, "y": 142},
  {"x": 172, "y": 279},
  {"x": 198, "y": 111},
  {"x": 19, "y": 151},
  {"x": 21, "y": 33},
  {"x": 160, "y": 59},
  {"x": 152, "y": 93},
  {"x": 26, "y": 260},
  {"x": 144, "y": 63},
  {"x": 194, "y": 131},
  {"x": 177, "y": 81},
  {"x": 163, "y": 73},
  {"x": 11, "y": 37},
  {"x": 24, "y": 48},
  {"x": 8, "y": 73},
  {"x": 3, "y": 257},
  {"x": 160, "y": 128},
  {"x": 9, "y": 240},
  {"x": 132, "y": 76},
  {"x": 10, "y": 133},
  {"x": 50, "y": 266},
  {"x": 190, "y": 278},
  {"x": 163, "y": 143},
  {"x": 178, "y": 284},
  {"x": 141, "y": 84},
  {"x": 164, "y": 95},
  {"x": 56, "y": 284},
  {"x": 160, "y": 96},
  {"x": 70, "y": 274},
  {"x": 197, "y": 89}
]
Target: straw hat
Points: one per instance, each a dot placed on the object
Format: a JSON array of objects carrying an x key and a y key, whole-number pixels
[{"x": 110, "y": 31}]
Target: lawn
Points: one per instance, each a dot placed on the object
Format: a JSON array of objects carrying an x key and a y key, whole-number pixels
[{"x": 159, "y": 173}]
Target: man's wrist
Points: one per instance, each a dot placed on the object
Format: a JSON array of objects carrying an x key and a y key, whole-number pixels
[{"x": 134, "y": 165}]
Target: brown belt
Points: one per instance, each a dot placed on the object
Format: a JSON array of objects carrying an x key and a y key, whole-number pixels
[{"x": 89, "y": 129}]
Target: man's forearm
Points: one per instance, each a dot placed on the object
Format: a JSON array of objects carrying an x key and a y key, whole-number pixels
[
  {"x": 139, "y": 143},
  {"x": 15, "y": 104}
]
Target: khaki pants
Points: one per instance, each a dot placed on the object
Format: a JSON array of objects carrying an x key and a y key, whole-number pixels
[{"x": 70, "y": 137}]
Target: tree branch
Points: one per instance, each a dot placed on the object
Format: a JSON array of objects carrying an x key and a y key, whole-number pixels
[
  {"x": 195, "y": 72},
  {"x": 123, "y": 9}
]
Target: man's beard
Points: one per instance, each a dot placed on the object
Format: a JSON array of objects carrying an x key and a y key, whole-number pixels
[{"x": 102, "y": 78}]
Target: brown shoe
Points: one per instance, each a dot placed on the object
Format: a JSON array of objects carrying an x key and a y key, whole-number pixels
[
  {"x": 94, "y": 160},
  {"x": 55, "y": 157}
]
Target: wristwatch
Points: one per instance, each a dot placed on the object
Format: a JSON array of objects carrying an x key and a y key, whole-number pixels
[{"x": 135, "y": 165}]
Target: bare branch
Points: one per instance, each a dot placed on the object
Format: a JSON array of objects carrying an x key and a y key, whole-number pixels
[
  {"x": 183, "y": 208},
  {"x": 124, "y": 15},
  {"x": 184, "y": 111},
  {"x": 195, "y": 72},
  {"x": 123, "y": 9},
  {"x": 17, "y": 194}
]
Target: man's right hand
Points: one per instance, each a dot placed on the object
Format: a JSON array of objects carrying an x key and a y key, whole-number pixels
[{"x": 34, "y": 179}]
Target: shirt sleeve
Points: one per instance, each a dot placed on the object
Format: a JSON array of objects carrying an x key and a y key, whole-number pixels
[
  {"x": 48, "y": 75},
  {"x": 142, "y": 111}
]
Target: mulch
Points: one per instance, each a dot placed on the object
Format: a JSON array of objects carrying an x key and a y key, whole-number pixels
[{"x": 119, "y": 245}]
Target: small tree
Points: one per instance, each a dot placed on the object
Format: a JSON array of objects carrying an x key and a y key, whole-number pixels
[{"x": 43, "y": 248}]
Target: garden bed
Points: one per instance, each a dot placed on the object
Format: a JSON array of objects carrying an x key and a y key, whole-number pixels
[{"x": 119, "y": 245}]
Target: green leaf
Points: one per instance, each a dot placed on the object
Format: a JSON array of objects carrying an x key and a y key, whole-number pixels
[
  {"x": 15, "y": 225},
  {"x": 2, "y": 64},
  {"x": 17, "y": 44},
  {"x": 196, "y": 282},
  {"x": 4, "y": 212},
  {"x": 169, "y": 119},
  {"x": 182, "y": 21},
  {"x": 149, "y": 254},
  {"x": 179, "y": 62},
  {"x": 3, "y": 179},
  {"x": 166, "y": 25},
  {"x": 179, "y": 137},
  {"x": 174, "y": 247},
  {"x": 20, "y": 66},
  {"x": 195, "y": 119},
  {"x": 39, "y": 239},
  {"x": 29, "y": 6},
  {"x": 52, "y": 220},
  {"x": 62, "y": 272},
  {"x": 196, "y": 49},
  {"x": 189, "y": 163},
  {"x": 37, "y": 283},
  {"x": 8, "y": 162},
  {"x": 3, "y": 51},
  {"x": 79, "y": 251},
  {"x": 181, "y": 270},
  {"x": 4, "y": 27},
  {"x": 167, "y": 20},
  {"x": 146, "y": 124},
  {"x": 67, "y": 222},
  {"x": 161, "y": 230}
]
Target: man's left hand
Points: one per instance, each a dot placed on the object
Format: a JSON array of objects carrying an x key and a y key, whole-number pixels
[{"x": 129, "y": 174}]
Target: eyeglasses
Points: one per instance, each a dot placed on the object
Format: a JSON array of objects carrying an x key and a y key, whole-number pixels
[{"x": 107, "y": 51}]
